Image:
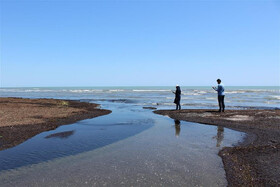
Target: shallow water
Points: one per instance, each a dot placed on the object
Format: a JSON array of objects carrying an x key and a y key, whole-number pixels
[{"x": 130, "y": 146}]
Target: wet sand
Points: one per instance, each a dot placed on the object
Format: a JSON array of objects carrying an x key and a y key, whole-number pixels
[
  {"x": 256, "y": 160},
  {"x": 21, "y": 119}
]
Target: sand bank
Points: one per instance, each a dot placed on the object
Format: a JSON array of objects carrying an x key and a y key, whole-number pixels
[
  {"x": 21, "y": 119},
  {"x": 256, "y": 160}
]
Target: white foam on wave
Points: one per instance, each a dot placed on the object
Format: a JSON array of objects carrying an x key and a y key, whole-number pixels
[
  {"x": 116, "y": 90},
  {"x": 186, "y": 98},
  {"x": 83, "y": 91},
  {"x": 77, "y": 91},
  {"x": 169, "y": 97},
  {"x": 38, "y": 90},
  {"x": 9, "y": 90},
  {"x": 201, "y": 92},
  {"x": 191, "y": 93},
  {"x": 276, "y": 97},
  {"x": 151, "y": 90},
  {"x": 210, "y": 98},
  {"x": 250, "y": 91},
  {"x": 234, "y": 92},
  {"x": 24, "y": 90},
  {"x": 270, "y": 102}
]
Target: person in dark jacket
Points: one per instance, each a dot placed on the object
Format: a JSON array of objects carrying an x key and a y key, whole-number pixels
[{"x": 177, "y": 97}]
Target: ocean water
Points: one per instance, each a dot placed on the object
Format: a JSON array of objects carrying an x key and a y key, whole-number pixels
[
  {"x": 131, "y": 146},
  {"x": 160, "y": 97}
]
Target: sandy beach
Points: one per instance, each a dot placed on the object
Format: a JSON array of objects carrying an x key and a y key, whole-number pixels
[
  {"x": 256, "y": 160},
  {"x": 22, "y": 119}
]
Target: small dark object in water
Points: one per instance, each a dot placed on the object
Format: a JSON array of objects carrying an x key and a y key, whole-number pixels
[
  {"x": 65, "y": 134},
  {"x": 153, "y": 108}
]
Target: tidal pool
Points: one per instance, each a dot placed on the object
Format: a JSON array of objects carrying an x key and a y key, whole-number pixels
[{"x": 130, "y": 147}]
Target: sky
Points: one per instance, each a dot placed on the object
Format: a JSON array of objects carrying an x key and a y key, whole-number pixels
[{"x": 139, "y": 43}]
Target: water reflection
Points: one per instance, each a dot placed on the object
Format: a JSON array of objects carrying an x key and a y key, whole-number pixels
[
  {"x": 177, "y": 127},
  {"x": 61, "y": 135},
  {"x": 220, "y": 136}
]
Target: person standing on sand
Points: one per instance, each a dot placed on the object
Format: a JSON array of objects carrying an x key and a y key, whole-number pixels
[
  {"x": 221, "y": 95},
  {"x": 177, "y": 97}
]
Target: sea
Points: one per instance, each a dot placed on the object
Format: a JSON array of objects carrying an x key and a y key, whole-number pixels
[
  {"x": 132, "y": 146},
  {"x": 266, "y": 97}
]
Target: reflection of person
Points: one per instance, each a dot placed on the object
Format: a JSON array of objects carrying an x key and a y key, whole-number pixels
[
  {"x": 221, "y": 95},
  {"x": 177, "y": 127},
  {"x": 177, "y": 97},
  {"x": 220, "y": 135}
]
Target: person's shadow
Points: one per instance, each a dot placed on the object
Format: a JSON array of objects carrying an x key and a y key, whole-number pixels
[{"x": 177, "y": 127}]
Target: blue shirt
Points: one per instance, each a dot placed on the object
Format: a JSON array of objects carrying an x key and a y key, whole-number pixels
[{"x": 220, "y": 89}]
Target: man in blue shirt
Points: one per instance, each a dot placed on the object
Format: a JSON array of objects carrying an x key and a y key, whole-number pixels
[{"x": 221, "y": 95}]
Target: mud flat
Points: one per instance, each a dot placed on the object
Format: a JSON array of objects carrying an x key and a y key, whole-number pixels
[
  {"x": 256, "y": 160},
  {"x": 21, "y": 119}
]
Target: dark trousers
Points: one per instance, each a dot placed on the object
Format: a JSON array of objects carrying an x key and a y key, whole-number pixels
[
  {"x": 221, "y": 99},
  {"x": 178, "y": 106},
  {"x": 177, "y": 102}
]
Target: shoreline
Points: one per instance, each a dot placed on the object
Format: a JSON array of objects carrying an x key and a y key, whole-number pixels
[
  {"x": 23, "y": 118},
  {"x": 256, "y": 160}
]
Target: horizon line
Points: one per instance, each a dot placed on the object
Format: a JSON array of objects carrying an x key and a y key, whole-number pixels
[{"x": 131, "y": 86}]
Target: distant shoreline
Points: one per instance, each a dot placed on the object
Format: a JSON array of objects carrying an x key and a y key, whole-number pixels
[
  {"x": 256, "y": 160},
  {"x": 22, "y": 119}
]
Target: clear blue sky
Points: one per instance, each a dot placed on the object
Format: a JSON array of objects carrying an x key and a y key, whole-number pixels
[{"x": 134, "y": 43}]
